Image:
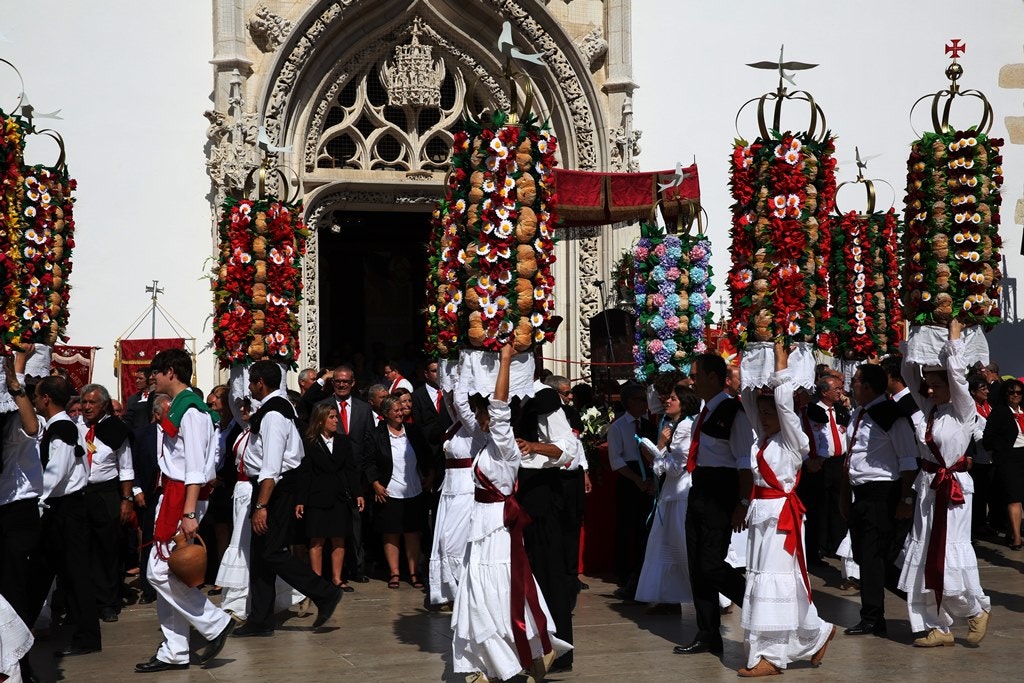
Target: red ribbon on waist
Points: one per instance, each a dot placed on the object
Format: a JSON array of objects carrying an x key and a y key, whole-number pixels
[
  {"x": 458, "y": 463},
  {"x": 790, "y": 516},
  {"x": 524, "y": 588},
  {"x": 948, "y": 492}
]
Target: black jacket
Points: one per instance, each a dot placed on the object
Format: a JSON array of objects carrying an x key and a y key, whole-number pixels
[
  {"x": 1000, "y": 431},
  {"x": 379, "y": 464},
  {"x": 144, "y": 458},
  {"x": 328, "y": 477}
]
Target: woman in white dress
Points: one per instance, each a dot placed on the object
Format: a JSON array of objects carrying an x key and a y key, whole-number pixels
[
  {"x": 448, "y": 548},
  {"x": 780, "y": 622},
  {"x": 485, "y": 643},
  {"x": 665, "y": 577},
  {"x": 940, "y": 575},
  {"x": 15, "y": 642}
]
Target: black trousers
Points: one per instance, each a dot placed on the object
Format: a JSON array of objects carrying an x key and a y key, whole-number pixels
[
  {"x": 147, "y": 523},
  {"x": 271, "y": 557},
  {"x": 574, "y": 500},
  {"x": 540, "y": 495},
  {"x": 713, "y": 498},
  {"x": 632, "y": 507},
  {"x": 19, "y": 536},
  {"x": 983, "y": 476},
  {"x": 825, "y": 528},
  {"x": 63, "y": 542},
  {"x": 103, "y": 517},
  {"x": 876, "y": 536}
]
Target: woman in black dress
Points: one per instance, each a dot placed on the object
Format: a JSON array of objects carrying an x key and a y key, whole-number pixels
[
  {"x": 1004, "y": 437},
  {"x": 397, "y": 466},
  {"x": 329, "y": 482}
]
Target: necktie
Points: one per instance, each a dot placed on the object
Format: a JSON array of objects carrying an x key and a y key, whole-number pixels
[
  {"x": 835, "y": 432},
  {"x": 90, "y": 442},
  {"x": 343, "y": 414},
  {"x": 691, "y": 459},
  {"x": 437, "y": 403}
]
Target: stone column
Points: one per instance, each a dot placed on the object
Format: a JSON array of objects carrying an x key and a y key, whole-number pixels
[{"x": 1012, "y": 76}]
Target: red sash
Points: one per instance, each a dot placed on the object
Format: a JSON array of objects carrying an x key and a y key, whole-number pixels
[
  {"x": 790, "y": 517},
  {"x": 948, "y": 492},
  {"x": 524, "y": 588},
  {"x": 171, "y": 508},
  {"x": 458, "y": 463}
]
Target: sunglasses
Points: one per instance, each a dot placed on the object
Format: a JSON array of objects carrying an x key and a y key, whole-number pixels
[{"x": 1014, "y": 392}]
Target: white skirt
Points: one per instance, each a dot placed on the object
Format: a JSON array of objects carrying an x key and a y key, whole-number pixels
[
  {"x": 481, "y": 615},
  {"x": 960, "y": 580},
  {"x": 234, "y": 566},
  {"x": 850, "y": 568},
  {"x": 15, "y": 641},
  {"x": 665, "y": 576},
  {"x": 781, "y": 624},
  {"x": 451, "y": 533}
]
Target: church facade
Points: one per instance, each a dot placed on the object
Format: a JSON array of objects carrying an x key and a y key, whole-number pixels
[{"x": 358, "y": 100}]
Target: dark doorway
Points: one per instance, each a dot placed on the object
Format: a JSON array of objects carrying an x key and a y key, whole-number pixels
[
  {"x": 612, "y": 333},
  {"x": 373, "y": 268}
]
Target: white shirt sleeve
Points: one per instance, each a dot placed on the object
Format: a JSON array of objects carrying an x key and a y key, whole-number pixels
[
  {"x": 274, "y": 440},
  {"x": 125, "y": 466},
  {"x": 741, "y": 440},
  {"x": 554, "y": 429},
  {"x": 195, "y": 440},
  {"x": 58, "y": 469}
]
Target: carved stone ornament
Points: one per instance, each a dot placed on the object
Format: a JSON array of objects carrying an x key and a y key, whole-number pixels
[
  {"x": 625, "y": 149},
  {"x": 267, "y": 29},
  {"x": 232, "y": 153},
  {"x": 414, "y": 77},
  {"x": 593, "y": 47}
]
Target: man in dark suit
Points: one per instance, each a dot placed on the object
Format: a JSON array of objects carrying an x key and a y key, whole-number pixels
[
  {"x": 355, "y": 420},
  {"x": 429, "y": 410},
  {"x": 136, "y": 406},
  {"x": 145, "y": 487}
]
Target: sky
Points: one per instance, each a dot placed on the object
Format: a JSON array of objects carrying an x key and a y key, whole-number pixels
[{"x": 132, "y": 80}]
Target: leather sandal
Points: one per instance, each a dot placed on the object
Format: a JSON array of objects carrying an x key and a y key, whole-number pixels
[
  {"x": 393, "y": 582},
  {"x": 414, "y": 580}
]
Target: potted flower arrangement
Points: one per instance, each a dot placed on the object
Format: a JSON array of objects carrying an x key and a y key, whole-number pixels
[
  {"x": 865, "y": 286},
  {"x": 258, "y": 282},
  {"x": 672, "y": 295}
]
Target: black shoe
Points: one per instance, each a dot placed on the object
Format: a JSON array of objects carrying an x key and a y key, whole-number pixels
[
  {"x": 214, "y": 646},
  {"x": 583, "y": 586},
  {"x": 248, "y": 630},
  {"x": 865, "y": 627},
  {"x": 699, "y": 647},
  {"x": 75, "y": 650},
  {"x": 108, "y": 614},
  {"x": 325, "y": 609},
  {"x": 147, "y": 599},
  {"x": 623, "y": 594},
  {"x": 154, "y": 665}
]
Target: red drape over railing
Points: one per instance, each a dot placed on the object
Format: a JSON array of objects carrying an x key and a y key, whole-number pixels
[{"x": 591, "y": 198}]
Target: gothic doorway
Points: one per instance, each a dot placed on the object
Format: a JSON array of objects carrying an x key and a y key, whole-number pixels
[{"x": 372, "y": 271}]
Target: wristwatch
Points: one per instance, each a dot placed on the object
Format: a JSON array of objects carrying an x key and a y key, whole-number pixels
[
  {"x": 20, "y": 391},
  {"x": 189, "y": 515},
  {"x": 909, "y": 500},
  {"x": 128, "y": 498},
  {"x": 261, "y": 506}
]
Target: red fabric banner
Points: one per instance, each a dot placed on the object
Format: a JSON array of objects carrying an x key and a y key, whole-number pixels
[
  {"x": 76, "y": 361},
  {"x": 136, "y": 354},
  {"x": 589, "y": 198}
]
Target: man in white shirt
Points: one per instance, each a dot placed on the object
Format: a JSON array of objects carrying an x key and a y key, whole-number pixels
[
  {"x": 272, "y": 462},
  {"x": 64, "y": 538},
  {"x": 823, "y": 471},
  {"x": 719, "y": 463},
  {"x": 21, "y": 484},
  {"x": 187, "y": 460},
  {"x": 881, "y": 468},
  {"x": 394, "y": 378},
  {"x": 108, "y": 496},
  {"x": 634, "y": 488}
]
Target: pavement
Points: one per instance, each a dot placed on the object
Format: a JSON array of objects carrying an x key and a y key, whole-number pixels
[{"x": 386, "y": 635}]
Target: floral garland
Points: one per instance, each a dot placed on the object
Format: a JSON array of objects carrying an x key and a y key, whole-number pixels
[
  {"x": 258, "y": 284},
  {"x": 784, "y": 191},
  {"x": 444, "y": 293},
  {"x": 673, "y": 300},
  {"x": 952, "y": 235},
  {"x": 865, "y": 285},
  {"x": 47, "y": 242},
  {"x": 12, "y": 147},
  {"x": 503, "y": 197}
]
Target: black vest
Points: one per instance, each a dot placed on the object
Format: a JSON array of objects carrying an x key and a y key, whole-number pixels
[
  {"x": 62, "y": 430},
  {"x": 886, "y": 413},
  {"x": 278, "y": 404},
  {"x": 718, "y": 424}
]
